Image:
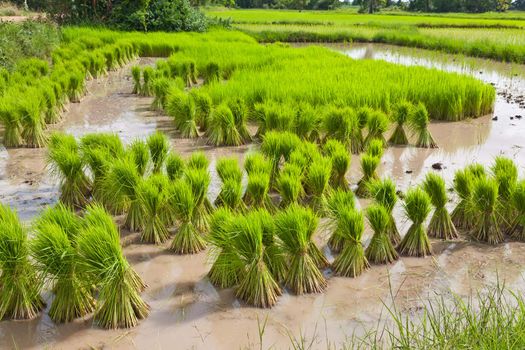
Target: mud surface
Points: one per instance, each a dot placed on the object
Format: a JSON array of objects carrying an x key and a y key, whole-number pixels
[{"x": 187, "y": 312}]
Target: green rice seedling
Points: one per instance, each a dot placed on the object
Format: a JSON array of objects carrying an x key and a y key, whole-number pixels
[
  {"x": 340, "y": 157},
  {"x": 139, "y": 154},
  {"x": 441, "y": 225},
  {"x": 476, "y": 170},
  {"x": 230, "y": 195},
  {"x": 505, "y": 173},
  {"x": 256, "y": 195},
  {"x": 211, "y": 73},
  {"x": 352, "y": 261},
  {"x": 377, "y": 125},
  {"x": 384, "y": 194},
  {"x": 307, "y": 123},
  {"x": 417, "y": 206},
  {"x": 402, "y": 112},
  {"x": 174, "y": 166},
  {"x": 98, "y": 161},
  {"x": 159, "y": 146},
  {"x": 148, "y": 75},
  {"x": 50, "y": 102},
  {"x": 487, "y": 227},
  {"x": 55, "y": 254},
  {"x": 461, "y": 216},
  {"x": 362, "y": 115},
  {"x": 276, "y": 146},
  {"x": 375, "y": 148},
  {"x": 369, "y": 165},
  {"x": 32, "y": 118},
  {"x": 110, "y": 142},
  {"x": 222, "y": 129},
  {"x": 198, "y": 160},
  {"x": 274, "y": 257},
  {"x": 240, "y": 115},
  {"x": 203, "y": 107},
  {"x": 257, "y": 286},
  {"x": 19, "y": 284},
  {"x": 199, "y": 181},
  {"x": 77, "y": 87},
  {"x": 66, "y": 164},
  {"x": 161, "y": 87},
  {"x": 136, "y": 75},
  {"x": 100, "y": 257},
  {"x": 256, "y": 163},
  {"x": 182, "y": 108},
  {"x": 228, "y": 169},
  {"x": 226, "y": 268},
  {"x": 338, "y": 202},
  {"x": 340, "y": 124},
  {"x": 380, "y": 249},
  {"x": 11, "y": 121},
  {"x": 274, "y": 116},
  {"x": 518, "y": 224},
  {"x": 120, "y": 190},
  {"x": 289, "y": 188},
  {"x": 294, "y": 229},
  {"x": 187, "y": 239},
  {"x": 62, "y": 216},
  {"x": 419, "y": 122},
  {"x": 154, "y": 199},
  {"x": 317, "y": 181}
]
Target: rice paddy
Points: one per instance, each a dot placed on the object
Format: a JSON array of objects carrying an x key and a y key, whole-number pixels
[{"x": 274, "y": 194}]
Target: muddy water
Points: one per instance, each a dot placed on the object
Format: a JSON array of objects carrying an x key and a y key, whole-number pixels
[{"x": 188, "y": 312}]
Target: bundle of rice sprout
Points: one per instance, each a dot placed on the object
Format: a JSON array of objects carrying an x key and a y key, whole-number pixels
[
  {"x": 518, "y": 199},
  {"x": 139, "y": 154},
  {"x": 317, "y": 179},
  {"x": 419, "y": 122},
  {"x": 340, "y": 164},
  {"x": 369, "y": 165},
  {"x": 199, "y": 181},
  {"x": 377, "y": 125},
  {"x": 340, "y": 124},
  {"x": 136, "y": 74},
  {"x": 384, "y": 194},
  {"x": 240, "y": 115},
  {"x": 174, "y": 166},
  {"x": 352, "y": 261},
  {"x": 181, "y": 107},
  {"x": 380, "y": 249},
  {"x": 154, "y": 198},
  {"x": 505, "y": 172},
  {"x": 441, "y": 225},
  {"x": 159, "y": 146},
  {"x": 417, "y": 207},
  {"x": 338, "y": 202},
  {"x": 203, "y": 107},
  {"x": 402, "y": 112},
  {"x": 375, "y": 148},
  {"x": 462, "y": 214},
  {"x": 487, "y": 227},
  {"x": 222, "y": 129},
  {"x": 307, "y": 123}
]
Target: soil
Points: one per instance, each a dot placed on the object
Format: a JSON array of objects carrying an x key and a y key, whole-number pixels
[{"x": 187, "y": 312}]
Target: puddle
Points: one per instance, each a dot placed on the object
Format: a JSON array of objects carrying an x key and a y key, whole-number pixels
[{"x": 188, "y": 311}]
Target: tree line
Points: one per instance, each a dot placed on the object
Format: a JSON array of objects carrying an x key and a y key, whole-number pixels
[{"x": 470, "y": 6}]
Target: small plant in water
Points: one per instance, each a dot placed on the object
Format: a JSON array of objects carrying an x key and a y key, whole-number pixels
[
  {"x": 417, "y": 207},
  {"x": 441, "y": 225},
  {"x": 380, "y": 249}
]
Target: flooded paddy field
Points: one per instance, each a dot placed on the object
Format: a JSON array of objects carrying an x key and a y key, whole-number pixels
[{"x": 187, "y": 312}]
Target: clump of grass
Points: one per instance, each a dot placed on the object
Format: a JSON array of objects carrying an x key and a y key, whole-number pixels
[
  {"x": 187, "y": 239},
  {"x": 66, "y": 163},
  {"x": 384, "y": 194},
  {"x": 338, "y": 202},
  {"x": 352, "y": 261},
  {"x": 340, "y": 158},
  {"x": 295, "y": 227},
  {"x": 136, "y": 75},
  {"x": 100, "y": 257},
  {"x": 419, "y": 122},
  {"x": 377, "y": 124},
  {"x": 317, "y": 181},
  {"x": 417, "y": 206},
  {"x": 518, "y": 200},
  {"x": 174, "y": 166},
  {"x": 441, "y": 225},
  {"x": 505, "y": 173},
  {"x": 54, "y": 251},
  {"x": 154, "y": 199},
  {"x": 159, "y": 146},
  {"x": 401, "y": 115},
  {"x": 369, "y": 165},
  {"x": 19, "y": 283},
  {"x": 380, "y": 249},
  {"x": 487, "y": 227},
  {"x": 222, "y": 129}
]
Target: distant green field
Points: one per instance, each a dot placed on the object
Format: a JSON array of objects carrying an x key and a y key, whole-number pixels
[{"x": 492, "y": 35}]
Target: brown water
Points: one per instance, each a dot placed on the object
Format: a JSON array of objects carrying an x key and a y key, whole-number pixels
[{"x": 188, "y": 312}]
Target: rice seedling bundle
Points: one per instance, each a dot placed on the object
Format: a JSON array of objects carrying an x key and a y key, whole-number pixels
[
  {"x": 340, "y": 158},
  {"x": 518, "y": 200},
  {"x": 110, "y": 142},
  {"x": 419, "y": 122},
  {"x": 317, "y": 180},
  {"x": 66, "y": 163},
  {"x": 417, "y": 206},
  {"x": 154, "y": 198},
  {"x": 294, "y": 227},
  {"x": 139, "y": 154},
  {"x": 161, "y": 87},
  {"x": 199, "y": 181},
  {"x": 339, "y": 201},
  {"x": 384, "y": 194},
  {"x": 362, "y": 115},
  {"x": 274, "y": 257},
  {"x": 276, "y": 146},
  {"x": 441, "y": 225},
  {"x": 401, "y": 114},
  {"x": 19, "y": 283},
  {"x": 274, "y": 116},
  {"x": 33, "y": 119},
  {"x": 226, "y": 268},
  {"x": 256, "y": 163},
  {"x": 377, "y": 124},
  {"x": 352, "y": 261},
  {"x": 211, "y": 73},
  {"x": 182, "y": 108},
  {"x": 174, "y": 166},
  {"x": 289, "y": 187},
  {"x": 228, "y": 169},
  {"x": 198, "y": 160},
  {"x": 257, "y": 286},
  {"x": 222, "y": 129},
  {"x": 240, "y": 115},
  {"x": 380, "y": 249},
  {"x": 203, "y": 107},
  {"x": 159, "y": 146},
  {"x": 462, "y": 214},
  {"x": 11, "y": 121},
  {"x": 487, "y": 227},
  {"x": 307, "y": 123},
  {"x": 136, "y": 75},
  {"x": 257, "y": 189},
  {"x": 340, "y": 124},
  {"x": 148, "y": 75},
  {"x": 100, "y": 256},
  {"x": 375, "y": 148},
  {"x": 505, "y": 173},
  {"x": 54, "y": 251},
  {"x": 369, "y": 165},
  {"x": 120, "y": 191}
]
